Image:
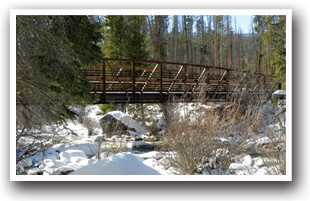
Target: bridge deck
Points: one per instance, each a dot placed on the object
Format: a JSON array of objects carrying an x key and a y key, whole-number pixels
[{"x": 135, "y": 81}]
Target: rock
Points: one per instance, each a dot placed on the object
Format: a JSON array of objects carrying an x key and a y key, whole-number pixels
[
  {"x": 62, "y": 171},
  {"x": 158, "y": 156},
  {"x": 247, "y": 161},
  {"x": 280, "y": 94},
  {"x": 164, "y": 162},
  {"x": 26, "y": 162},
  {"x": 65, "y": 170},
  {"x": 35, "y": 171},
  {"x": 237, "y": 166},
  {"x": 138, "y": 145},
  {"x": 119, "y": 123},
  {"x": 112, "y": 126},
  {"x": 152, "y": 155},
  {"x": 99, "y": 139},
  {"x": 259, "y": 162}
]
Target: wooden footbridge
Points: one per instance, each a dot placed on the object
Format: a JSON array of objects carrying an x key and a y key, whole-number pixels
[{"x": 140, "y": 81}]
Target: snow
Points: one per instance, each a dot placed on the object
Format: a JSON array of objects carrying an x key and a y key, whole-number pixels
[
  {"x": 119, "y": 164},
  {"x": 280, "y": 92},
  {"x": 71, "y": 155},
  {"x": 79, "y": 154},
  {"x": 88, "y": 149},
  {"x": 247, "y": 161}
]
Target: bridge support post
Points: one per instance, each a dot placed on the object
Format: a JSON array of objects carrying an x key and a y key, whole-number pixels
[
  {"x": 185, "y": 81},
  {"x": 133, "y": 99},
  {"x": 160, "y": 82},
  {"x": 103, "y": 82},
  {"x": 264, "y": 83},
  {"x": 228, "y": 84}
]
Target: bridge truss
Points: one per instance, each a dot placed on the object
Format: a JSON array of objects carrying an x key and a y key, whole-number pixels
[{"x": 141, "y": 81}]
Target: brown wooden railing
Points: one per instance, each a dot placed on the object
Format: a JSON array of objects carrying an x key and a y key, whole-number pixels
[{"x": 133, "y": 81}]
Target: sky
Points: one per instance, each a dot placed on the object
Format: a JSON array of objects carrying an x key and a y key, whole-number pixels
[{"x": 243, "y": 22}]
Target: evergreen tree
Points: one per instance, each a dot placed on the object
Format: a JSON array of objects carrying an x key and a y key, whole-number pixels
[
  {"x": 275, "y": 38},
  {"x": 124, "y": 37},
  {"x": 51, "y": 52}
]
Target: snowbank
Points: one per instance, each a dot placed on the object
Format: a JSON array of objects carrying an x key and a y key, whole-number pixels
[{"x": 119, "y": 164}]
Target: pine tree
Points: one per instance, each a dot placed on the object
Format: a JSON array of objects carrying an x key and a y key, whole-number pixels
[
  {"x": 124, "y": 37},
  {"x": 51, "y": 52}
]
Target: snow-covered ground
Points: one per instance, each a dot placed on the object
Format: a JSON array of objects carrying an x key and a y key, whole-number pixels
[{"x": 80, "y": 153}]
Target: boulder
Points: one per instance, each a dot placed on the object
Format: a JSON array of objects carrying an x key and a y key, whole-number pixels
[
  {"x": 119, "y": 123},
  {"x": 112, "y": 126}
]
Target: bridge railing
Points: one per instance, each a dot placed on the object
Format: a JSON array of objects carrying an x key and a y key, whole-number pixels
[{"x": 134, "y": 79}]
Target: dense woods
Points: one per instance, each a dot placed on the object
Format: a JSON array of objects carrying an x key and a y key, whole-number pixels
[
  {"x": 51, "y": 51},
  {"x": 206, "y": 40}
]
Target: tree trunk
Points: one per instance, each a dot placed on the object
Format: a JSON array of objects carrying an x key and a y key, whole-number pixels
[
  {"x": 228, "y": 42},
  {"x": 215, "y": 42},
  {"x": 186, "y": 40},
  {"x": 202, "y": 61},
  {"x": 157, "y": 39},
  {"x": 210, "y": 41}
]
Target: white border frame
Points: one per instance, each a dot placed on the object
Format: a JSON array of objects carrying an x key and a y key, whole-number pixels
[{"x": 15, "y": 12}]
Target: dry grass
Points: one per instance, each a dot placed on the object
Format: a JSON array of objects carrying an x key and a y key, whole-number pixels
[{"x": 208, "y": 141}]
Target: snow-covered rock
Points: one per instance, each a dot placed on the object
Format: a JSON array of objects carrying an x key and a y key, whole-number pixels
[
  {"x": 73, "y": 156},
  {"x": 152, "y": 155},
  {"x": 164, "y": 162},
  {"x": 139, "y": 145},
  {"x": 119, "y": 123},
  {"x": 128, "y": 121},
  {"x": 259, "y": 162},
  {"x": 237, "y": 166},
  {"x": 247, "y": 161},
  {"x": 36, "y": 171},
  {"x": 263, "y": 141},
  {"x": 280, "y": 94},
  {"x": 119, "y": 164},
  {"x": 26, "y": 162},
  {"x": 243, "y": 166}
]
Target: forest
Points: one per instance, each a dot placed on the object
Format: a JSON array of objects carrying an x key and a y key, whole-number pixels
[
  {"x": 52, "y": 52},
  {"x": 205, "y": 40}
]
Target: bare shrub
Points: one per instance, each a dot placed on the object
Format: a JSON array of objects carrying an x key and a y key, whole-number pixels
[
  {"x": 207, "y": 141},
  {"x": 30, "y": 142},
  {"x": 116, "y": 145},
  {"x": 274, "y": 152}
]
